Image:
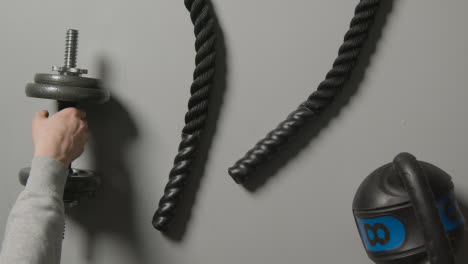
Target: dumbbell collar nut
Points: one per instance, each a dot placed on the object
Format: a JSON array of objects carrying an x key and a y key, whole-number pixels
[{"x": 69, "y": 71}]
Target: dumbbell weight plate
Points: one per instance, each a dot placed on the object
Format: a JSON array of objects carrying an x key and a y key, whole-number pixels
[
  {"x": 67, "y": 93},
  {"x": 24, "y": 175},
  {"x": 80, "y": 184},
  {"x": 66, "y": 80}
]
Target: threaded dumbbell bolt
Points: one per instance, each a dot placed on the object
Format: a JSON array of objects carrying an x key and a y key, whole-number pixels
[
  {"x": 71, "y": 47},
  {"x": 71, "y": 50}
]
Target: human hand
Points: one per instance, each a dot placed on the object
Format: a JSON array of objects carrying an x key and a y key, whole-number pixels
[{"x": 61, "y": 136}]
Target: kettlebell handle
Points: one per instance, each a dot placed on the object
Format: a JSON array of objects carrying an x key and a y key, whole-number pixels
[{"x": 419, "y": 191}]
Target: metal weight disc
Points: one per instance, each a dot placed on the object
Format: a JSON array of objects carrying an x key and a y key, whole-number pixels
[
  {"x": 67, "y": 93},
  {"x": 80, "y": 184},
  {"x": 24, "y": 175},
  {"x": 66, "y": 80}
]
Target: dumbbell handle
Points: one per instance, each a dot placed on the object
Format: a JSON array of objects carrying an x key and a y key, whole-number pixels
[{"x": 62, "y": 105}]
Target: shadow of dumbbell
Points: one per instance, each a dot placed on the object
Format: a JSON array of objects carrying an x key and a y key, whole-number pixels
[{"x": 112, "y": 211}]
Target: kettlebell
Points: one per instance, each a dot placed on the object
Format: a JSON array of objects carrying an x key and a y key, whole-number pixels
[{"x": 406, "y": 212}]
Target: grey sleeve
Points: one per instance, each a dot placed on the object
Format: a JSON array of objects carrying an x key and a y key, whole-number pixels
[{"x": 34, "y": 230}]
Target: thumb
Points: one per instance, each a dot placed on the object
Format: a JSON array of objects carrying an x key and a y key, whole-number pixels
[{"x": 43, "y": 114}]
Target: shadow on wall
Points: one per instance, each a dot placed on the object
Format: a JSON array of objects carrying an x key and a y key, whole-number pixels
[
  {"x": 462, "y": 255},
  {"x": 313, "y": 129},
  {"x": 111, "y": 212},
  {"x": 178, "y": 227}
]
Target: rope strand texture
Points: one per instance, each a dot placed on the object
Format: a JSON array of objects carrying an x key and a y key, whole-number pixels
[
  {"x": 328, "y": 89},
  {"x": 204, "y": 29}
]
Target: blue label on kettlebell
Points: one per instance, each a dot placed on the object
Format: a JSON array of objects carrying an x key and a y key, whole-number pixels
[
  {"x": 449, "y": 211},
  {"x": 381, "y": 233}
]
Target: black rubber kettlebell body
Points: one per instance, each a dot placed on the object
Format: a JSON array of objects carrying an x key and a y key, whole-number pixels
[{"x": 406, "y": 212}]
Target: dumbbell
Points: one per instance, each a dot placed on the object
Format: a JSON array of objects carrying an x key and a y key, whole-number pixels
[{"x": 69, "y": 88}]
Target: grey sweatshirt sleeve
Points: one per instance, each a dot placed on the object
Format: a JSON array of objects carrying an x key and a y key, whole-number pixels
[{"x": 35, "y": 225}]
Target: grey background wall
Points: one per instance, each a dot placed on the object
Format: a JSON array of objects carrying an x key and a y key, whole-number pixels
[{"x": 411, "y": 97}]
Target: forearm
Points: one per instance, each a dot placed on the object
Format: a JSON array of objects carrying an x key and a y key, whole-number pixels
[{"x": 35, "y": 224}]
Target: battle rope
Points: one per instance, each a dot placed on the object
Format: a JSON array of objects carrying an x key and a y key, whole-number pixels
[
  {"x": 204, "y": 29},
  {"x": 335, "y": 79}
]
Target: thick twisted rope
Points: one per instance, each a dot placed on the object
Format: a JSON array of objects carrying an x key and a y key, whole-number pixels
[
  {"x": 328, "y": 89},
  {"x": 204, "y": 23}
]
